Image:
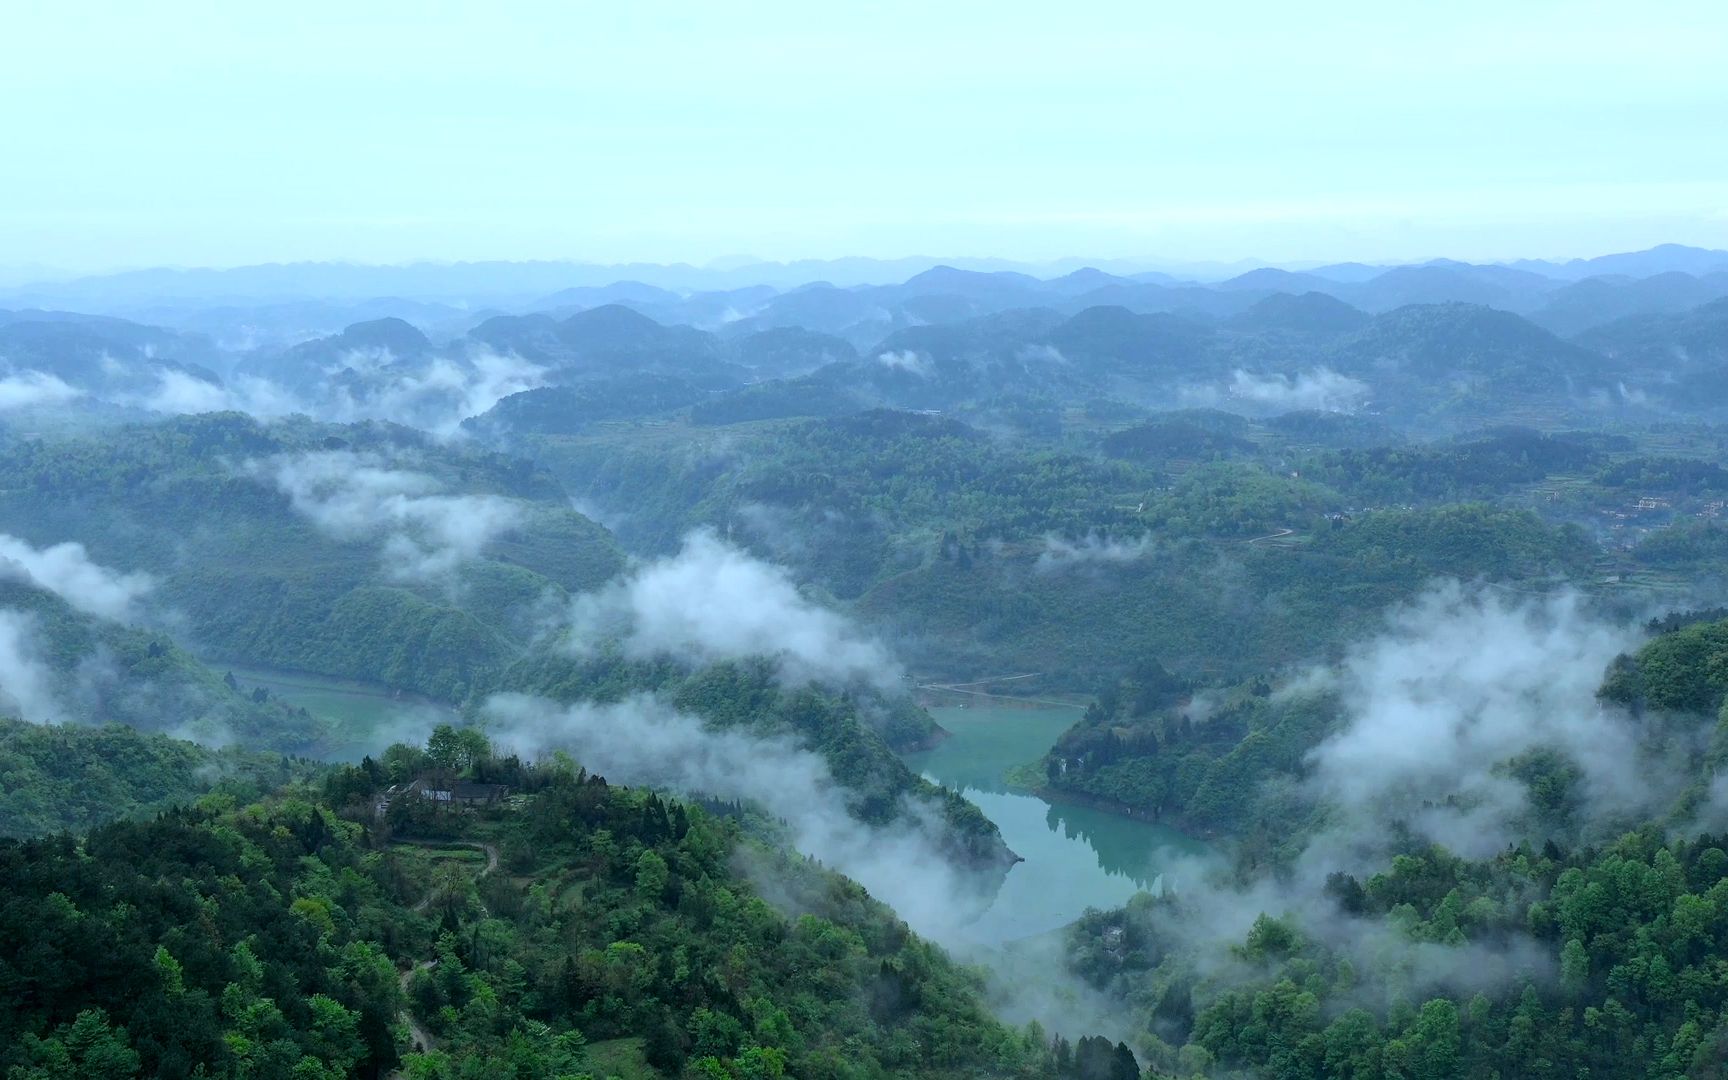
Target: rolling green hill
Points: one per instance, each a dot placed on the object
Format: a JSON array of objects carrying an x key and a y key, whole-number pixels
[
  {"x": 590, "y": 930},
  {"x": 199, "y": 503}
]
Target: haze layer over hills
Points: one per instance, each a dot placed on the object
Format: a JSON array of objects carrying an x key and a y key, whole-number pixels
[{"x": 597, "y": 669}]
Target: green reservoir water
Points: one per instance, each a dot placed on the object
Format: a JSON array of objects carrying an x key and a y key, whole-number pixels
[
  {"x": 364, "y": 717},
  {"x": 1076, "y": 856}
]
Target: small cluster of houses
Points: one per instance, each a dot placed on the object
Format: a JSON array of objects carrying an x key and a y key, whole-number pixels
[
  {"x": 444, "y": 793},
  {"x": 1651, "y": 513}
]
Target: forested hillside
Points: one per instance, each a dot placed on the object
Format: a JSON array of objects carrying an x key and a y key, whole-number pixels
[
  {"x": 65, "y": 665},
  {"x": 596, "y": 930},
  {"x": 783, "y": 541},
  {"x": 336, "y": 550},
  {"x": 373, "y": 553},
  {"x": 1598, "y": 961},
  {"x": 1345, "y": 640},
  {"x": 73, "y": 777},
  {"x": 1575, "y": 950},
  {"x": 856, "y": 732},
  {"x": 991, "y": 555}
]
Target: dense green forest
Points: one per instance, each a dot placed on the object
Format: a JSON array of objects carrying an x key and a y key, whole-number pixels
[
  {"x": 72, "y": 666},
  {"x": 1594, "y": 957},
  {"x": 594, "y": 929},
  {"x": 1140, "y": 746},
  {"x": 72, "y": 777},
  {"x": 787, "y": 541},
  {"x": 260, "y": 583},
  {"x": 1611, "y": 957},
  {"x": 1156, "y": 561},
  {"x": 990, "y": 556},
  {"x": 739, "y": 551},
  {"x": 266, "y": 582},
  {"x": 857, "y": 733}
]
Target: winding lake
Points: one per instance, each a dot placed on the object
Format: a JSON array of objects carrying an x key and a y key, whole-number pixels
[
  {"x": 365, "y": 717},
  {"x": 1076, "y": 856}
]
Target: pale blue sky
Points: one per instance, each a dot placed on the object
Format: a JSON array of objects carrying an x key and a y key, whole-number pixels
[{"x": 192, "y": 133}]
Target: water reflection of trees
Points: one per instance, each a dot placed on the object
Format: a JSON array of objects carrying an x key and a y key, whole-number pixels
[
  {"x": 983, "y": 781},
  {"x": 1124, "y": 847}
]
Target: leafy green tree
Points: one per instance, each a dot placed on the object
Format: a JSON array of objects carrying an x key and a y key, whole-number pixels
[
  {"x": 169, "y": 971},
  {"x": 86, "y": 1049}
]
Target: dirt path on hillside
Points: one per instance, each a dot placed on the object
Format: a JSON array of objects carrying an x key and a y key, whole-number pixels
[
  {"x": 969, "y": 688},
  {"x": 1279, "y": 535},
  {"x": 419, "y": 1039}
]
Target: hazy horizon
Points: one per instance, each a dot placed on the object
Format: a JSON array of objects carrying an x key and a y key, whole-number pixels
[
  {"x": 19, "y": 274},
  {"x": 679, "y": 133}
]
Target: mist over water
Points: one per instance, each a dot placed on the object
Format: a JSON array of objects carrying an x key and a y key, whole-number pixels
[{"x": 1076, "y": 856}]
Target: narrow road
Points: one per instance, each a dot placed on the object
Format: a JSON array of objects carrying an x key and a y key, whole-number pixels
[
  {"x": 959, "y": 688},
  {"x": 986, "y": 682},
  {"x": 1279, "y": 535},
  {"x": 489, "y": 850},
  {"x": 419, "y": 1039},
  {"x": 965, "y": 688}
]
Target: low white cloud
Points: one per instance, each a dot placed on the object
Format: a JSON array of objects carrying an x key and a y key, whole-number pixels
[
  {"x": 1631, "y": 395},
  {"x": 1321, "y": 388},
  {"x": 907, "y": 360},
  {"x": 1711, "y": 814},
  {"x": 643, "y": 741},
  {"x": 28, "y": 388},
  {"x": 67, "y": 571},
  {"x": 26, "y": 684},
  {"x": 1462, "y": 682},
  {"x": 1061, "y": 553},
  {"x": 426, "y": 534},
  {"x": 433, "y": 394},
  {"x": 713, "y": 601},
  {"x": 176, "y": 392},
  {"x": 179, "y": 392},
  {"x": 1043, "y": 354}
]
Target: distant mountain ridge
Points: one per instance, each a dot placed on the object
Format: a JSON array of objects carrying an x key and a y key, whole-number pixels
[
  {"x": 948, "y": 336},
  {"x": 1661, "y": 259},
  {"x": 489, "y": 281}
]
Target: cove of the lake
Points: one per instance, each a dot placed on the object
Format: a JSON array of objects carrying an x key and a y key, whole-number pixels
[
  {"x": 363, "y": 717},
  {"x": 1076, "y": 856}
]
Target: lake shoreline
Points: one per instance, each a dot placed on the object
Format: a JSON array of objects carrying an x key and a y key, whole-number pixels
[
  {"x": 1075, "y": 856},
  {"x": 359, "y": 717},
  {"x": 1118, "y": 808},
  {"x": 944, "y": 696},
  {"x": 294, "y": 679}
]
